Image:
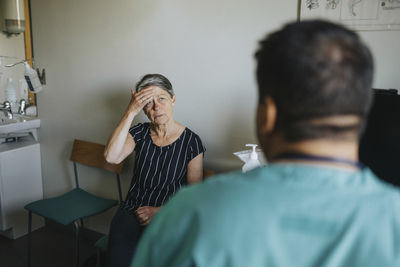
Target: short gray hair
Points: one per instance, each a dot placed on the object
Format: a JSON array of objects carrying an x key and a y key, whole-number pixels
[{"x": 155, "y": 80}]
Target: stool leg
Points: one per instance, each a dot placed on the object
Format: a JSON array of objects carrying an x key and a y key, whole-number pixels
[
  {"x": 98, "y": 257},
  {"x": 76, "y": 228},
  {"x": 29, "y": 238}
]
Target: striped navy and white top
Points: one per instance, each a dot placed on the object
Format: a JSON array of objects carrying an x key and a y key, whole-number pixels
[{"x": 160, "y": 171}]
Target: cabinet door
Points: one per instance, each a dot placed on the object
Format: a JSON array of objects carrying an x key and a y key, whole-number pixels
[{"x": 21, "y": 183}]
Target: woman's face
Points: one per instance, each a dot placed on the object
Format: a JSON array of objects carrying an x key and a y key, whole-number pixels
[{"x": 160, "y": 109}]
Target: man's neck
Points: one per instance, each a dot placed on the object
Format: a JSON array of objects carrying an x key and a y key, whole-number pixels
[{"x": 343, "y": 149}]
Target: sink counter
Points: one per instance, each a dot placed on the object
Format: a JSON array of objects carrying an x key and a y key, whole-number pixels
[{"x": 18, "y": 124}]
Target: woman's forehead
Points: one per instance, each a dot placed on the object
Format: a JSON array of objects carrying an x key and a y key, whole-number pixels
[{"x": 158, "y": 90}]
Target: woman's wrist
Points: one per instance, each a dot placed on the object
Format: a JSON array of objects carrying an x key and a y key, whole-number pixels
[{"x": 130, "y": 113}]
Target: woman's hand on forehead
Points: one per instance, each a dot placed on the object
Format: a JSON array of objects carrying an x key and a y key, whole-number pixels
[{"x": 140, "y": 99}]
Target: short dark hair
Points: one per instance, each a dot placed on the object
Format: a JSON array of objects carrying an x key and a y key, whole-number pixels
[
  {"x": 315, "y": 69},
  {"x": 155, "y": 80}
]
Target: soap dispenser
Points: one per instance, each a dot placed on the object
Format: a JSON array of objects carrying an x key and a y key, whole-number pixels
[
  {"x": 253, "y": 162},
  {"x": 32, "y": 79}
]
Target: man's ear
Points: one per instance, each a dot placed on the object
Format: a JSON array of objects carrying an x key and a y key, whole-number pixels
[
  {"x": 173, "y": 100},
  {"x": 266, "y": 115}
]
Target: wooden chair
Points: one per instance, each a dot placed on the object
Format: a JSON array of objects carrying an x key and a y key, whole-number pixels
[{"x": 77, "y": 204}]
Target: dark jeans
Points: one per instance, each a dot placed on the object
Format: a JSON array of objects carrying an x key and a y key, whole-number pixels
[{"x": 125, "y": 233}]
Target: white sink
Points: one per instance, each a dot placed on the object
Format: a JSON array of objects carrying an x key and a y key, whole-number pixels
[{"x": 19, "y": 123}]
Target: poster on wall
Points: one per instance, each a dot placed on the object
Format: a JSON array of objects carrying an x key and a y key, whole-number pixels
[{"x": 356, "y": 14}]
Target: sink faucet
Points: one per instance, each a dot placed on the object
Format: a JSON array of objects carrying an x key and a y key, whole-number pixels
[
  {"x": 22, "y": 106},
  {"x": 6, "y": 108}
]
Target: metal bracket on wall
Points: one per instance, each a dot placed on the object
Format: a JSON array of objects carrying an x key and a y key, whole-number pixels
[{"x": 42, "y": 76}]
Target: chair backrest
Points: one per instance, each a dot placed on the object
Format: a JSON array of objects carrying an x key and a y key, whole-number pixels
[{"x": 92, "y": 154}]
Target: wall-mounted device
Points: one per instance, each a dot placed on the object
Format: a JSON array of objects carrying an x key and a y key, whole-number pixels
[{"x": 12, "y": 15}]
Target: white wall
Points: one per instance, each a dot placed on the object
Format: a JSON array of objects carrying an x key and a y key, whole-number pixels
[
  {"x": 385, "y": 46},
  {"x": 95, "y": 50}
]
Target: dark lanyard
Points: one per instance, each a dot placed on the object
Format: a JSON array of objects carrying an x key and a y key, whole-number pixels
[{"x": 302, "y": 156}]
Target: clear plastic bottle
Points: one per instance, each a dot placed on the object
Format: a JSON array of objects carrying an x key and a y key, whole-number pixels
[
  {"x": 1, "y": 74},
  {"x": 1, "y": 69},
  {"x": 32, "y": 79},
  {"x": 11, "y": 94}
]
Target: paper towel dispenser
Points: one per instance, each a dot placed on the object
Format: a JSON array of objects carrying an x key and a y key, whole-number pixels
[{"x": 12, "y": 15}]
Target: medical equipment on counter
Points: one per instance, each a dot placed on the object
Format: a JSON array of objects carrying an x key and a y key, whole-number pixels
[{"x": 250, "y": 157}]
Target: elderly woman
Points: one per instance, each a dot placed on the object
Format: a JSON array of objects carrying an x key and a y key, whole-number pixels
[{"x": 168, "y": 156}]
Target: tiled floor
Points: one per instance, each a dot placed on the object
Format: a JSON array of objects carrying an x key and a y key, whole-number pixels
[{"x": 51, "y": 246}]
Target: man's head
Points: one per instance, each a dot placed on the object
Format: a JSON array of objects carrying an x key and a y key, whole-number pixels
[{"x": 316, "y": 76}]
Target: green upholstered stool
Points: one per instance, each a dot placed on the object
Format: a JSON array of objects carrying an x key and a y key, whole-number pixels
[{"x": 77, "y": 203}]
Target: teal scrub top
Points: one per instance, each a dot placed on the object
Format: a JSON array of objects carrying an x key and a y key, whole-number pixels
[{"x": 278, "y": 215}]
